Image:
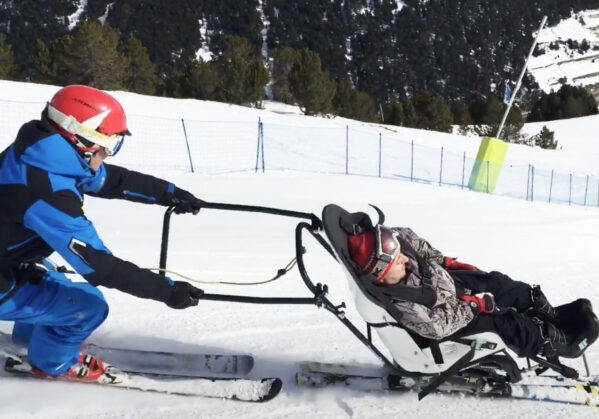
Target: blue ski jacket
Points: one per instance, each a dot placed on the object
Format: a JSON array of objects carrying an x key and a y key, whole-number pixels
[{"x": 43, "y": 180}]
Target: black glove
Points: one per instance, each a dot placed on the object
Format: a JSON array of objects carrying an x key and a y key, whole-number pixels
[
  {"x": 33, "y": 272},
  {"x": 185, "y": 202},
  {"x": 184, "y": 295}
]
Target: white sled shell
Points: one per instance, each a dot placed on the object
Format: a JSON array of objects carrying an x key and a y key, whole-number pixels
[{"x": 405, "y": 352}]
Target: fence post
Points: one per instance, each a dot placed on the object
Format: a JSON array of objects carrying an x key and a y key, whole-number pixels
[
  {"x": 528, "y": 183},
  {"x": 532, "y": 183},
  {"x": 570, "y": 194},
  {"x": 586, "y": 190},
  {"x": 346, "y": 149},
  {"x": 441, "y": 168},
  {"x": 551, "y": 186},
  {"x": 463, "y": 168},
  {"x": 380, "y": 152},
  {"x": 258, "y": 147},
  {"x": 412, "y": 164},
  {"x": 262, "y": 143},
  {"x": 187, "y": 144},
  {"x": 488, "y": 164}
]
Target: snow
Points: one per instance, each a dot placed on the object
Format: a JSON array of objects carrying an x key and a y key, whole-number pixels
[
  {"x": 556, "y": 67},
  {"x": 539, "y": 243},
  {"x": 74, "y": 18},
  {"x": 204, "y": 52}
]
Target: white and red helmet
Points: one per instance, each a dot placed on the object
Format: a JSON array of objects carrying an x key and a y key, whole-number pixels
[{"x": 89, "y": 118}]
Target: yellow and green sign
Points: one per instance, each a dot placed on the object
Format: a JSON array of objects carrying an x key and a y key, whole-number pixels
[{"x": 487, "y": 167}]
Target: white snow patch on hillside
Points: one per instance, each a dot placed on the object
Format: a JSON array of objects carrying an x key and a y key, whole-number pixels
[
  {"x": 564, "y": 65},
  {"x": 74, "y": 18}
]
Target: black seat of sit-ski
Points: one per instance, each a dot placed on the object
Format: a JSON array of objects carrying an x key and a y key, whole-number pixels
[
  {"x": 580, "y": 324},
  {"x": 338, "y": 225},
  {"x": 336, "y": 221}
]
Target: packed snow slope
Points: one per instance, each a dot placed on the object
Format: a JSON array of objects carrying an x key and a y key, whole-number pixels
[{"x": 551, "y": 245}]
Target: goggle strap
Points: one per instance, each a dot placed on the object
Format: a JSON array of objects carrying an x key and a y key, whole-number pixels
[{"x": 71, "y": 125}]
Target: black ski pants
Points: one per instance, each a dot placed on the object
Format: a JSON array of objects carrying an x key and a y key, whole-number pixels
[{"x": 517, "y": 330}]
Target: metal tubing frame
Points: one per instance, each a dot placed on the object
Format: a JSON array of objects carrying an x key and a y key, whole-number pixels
[
  {"x": 316, "y": 224},
  {"x": 320, "y": 291}
]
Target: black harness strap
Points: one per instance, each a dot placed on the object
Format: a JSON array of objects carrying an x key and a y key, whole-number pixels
[
  {"x": 436, "y": 351},
  {"x": 450, "y": 372},
  {"x": 482, "y": 345}
]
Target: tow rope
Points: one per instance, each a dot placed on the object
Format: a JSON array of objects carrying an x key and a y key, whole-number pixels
[{"x": 279, "y": 274}]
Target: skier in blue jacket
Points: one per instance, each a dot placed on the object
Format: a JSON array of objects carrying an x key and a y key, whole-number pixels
[{"x": 44, "y": 176}]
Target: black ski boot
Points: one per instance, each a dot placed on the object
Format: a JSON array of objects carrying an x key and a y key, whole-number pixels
[
  {"x": 540, "y": 306},
  {"x": 556, "y": 341}
]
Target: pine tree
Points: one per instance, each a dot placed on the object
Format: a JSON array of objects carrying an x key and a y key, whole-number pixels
[
  {"x": 242, "y": 74},
  {"x": 487, "y": 112},
  {"x": 199, "y": 80},
  {"x": 393, "y": 113},
  {"x": 43, "y": 66},
  {"x": 322, "y": 27},
  {"x": 545, "y": 139},
  {"x": 513, "y": 125},
  {"x": 6, "y": 60},
  {"x": 141, "y": 77},
  {"x": 170, "y": 30},
  {"x": 283, "y": 61},
  {"x": 461, "y": 115},
  {"x": 568, "y": 102},
  {"x": 90, "y": 56},
  {"x": 410, "y": 117},
  {"x": 432, "y": 111},
  {"x": 233, "y": 18},
  {"x": 25, "y": 21},
  {"x": 256, "y": 81},
  {"x": 351, "y": 103},
  {"x": 311, "y": 85}
]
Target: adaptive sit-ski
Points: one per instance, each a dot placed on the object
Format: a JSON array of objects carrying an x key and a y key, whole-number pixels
[{"x": 477, "y": 364}]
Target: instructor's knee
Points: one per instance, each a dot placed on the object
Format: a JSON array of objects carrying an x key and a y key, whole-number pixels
[
  {"x": 93, "y": 311},
  {"x": 100, "y": 310}
]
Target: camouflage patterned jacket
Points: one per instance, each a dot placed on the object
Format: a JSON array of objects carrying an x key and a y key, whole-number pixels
[{"x": 449, "y": 314}]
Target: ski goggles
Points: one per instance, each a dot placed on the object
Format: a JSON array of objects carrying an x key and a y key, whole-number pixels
[
  {"x": 86, "y": 146},
  {"x": 89, "y": 140},
  {"x": 387, "y": 248}
]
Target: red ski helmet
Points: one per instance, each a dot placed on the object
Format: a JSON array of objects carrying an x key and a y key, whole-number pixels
[
  {"x": 374, "y": 252},
  {"x": 89, "y": 118}
]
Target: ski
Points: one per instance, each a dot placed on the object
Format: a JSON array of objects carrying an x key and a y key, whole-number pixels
[
  {"x": 158, "y": 362},
  {"x": 314, "y": 374},
  {"x": 570, "y": 394},
  {"x": 553, "y": 380},
  {"x": 223, "y": 388},
  {"x": 173, "y": 363}
]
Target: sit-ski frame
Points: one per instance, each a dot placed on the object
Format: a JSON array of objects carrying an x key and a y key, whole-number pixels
[{"x": 320, "y": 291}]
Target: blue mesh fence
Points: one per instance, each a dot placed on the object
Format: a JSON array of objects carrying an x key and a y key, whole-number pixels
[
  {"x": 513, "y": 181},
  {"x": 213, "y": 147},
  {"x": 304, "y": 148}
]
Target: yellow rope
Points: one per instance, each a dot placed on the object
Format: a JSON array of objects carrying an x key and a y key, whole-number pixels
[{"x": 287, "y": 268}]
